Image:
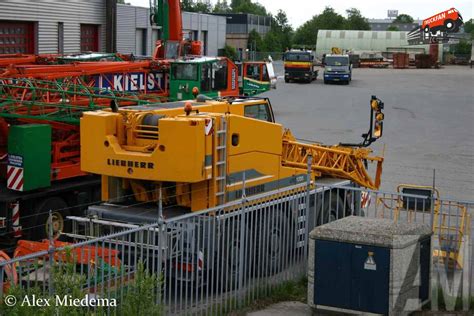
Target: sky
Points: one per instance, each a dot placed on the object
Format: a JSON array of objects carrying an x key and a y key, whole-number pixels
[{"x": 299, "y": 11}]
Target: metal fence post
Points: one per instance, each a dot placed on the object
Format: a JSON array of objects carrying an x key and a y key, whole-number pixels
[
  {"x": 161, "y": 235},
  {"x": 306, "y": 217},
  {"x": 242, "y": 243},
  {"x": 50, "y": 253}
]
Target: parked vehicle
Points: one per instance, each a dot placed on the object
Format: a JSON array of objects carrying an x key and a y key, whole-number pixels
[
  {"x": 300, "y": 65},
  {"x": 337, "y": 68}
]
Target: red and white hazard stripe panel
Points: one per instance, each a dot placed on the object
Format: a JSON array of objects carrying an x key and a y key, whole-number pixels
[
  {"x": 15, "y": 178},
  {"x": 365, "y": 199},
  {"x": 16, "y": 219}
]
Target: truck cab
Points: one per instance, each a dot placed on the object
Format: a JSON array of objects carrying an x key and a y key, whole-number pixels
[
  {"x": 337, "y": 68},
  {"x": 256, "y": 77},
  {"x": 300, "y": 66},
  {"x": 212, "y": 76}
]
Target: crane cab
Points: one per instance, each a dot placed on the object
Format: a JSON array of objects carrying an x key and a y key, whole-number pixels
[{"x": 212, "y": 76}]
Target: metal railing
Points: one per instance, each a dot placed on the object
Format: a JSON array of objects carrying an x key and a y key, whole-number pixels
[{"x": 220, "y": 259}]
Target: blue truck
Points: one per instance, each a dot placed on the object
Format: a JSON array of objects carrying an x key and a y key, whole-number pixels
[{"x": 337, "y": 68}]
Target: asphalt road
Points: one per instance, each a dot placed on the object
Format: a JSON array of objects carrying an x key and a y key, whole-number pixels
[{"x": 429, "y": 121}]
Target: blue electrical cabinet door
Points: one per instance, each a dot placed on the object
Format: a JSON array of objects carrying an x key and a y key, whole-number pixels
[
  {"x": 370, "y": 278},
  {"x": 332, "y": 272},
  {"x": 351, "y": 276}
]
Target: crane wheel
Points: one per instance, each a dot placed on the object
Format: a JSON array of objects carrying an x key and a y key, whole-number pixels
[
  {"x": 228, "y": 269},
  {"x": 329, "y": 208},
  {"x": 275, "y": 233},
  {"x": 59, "y": 213}
]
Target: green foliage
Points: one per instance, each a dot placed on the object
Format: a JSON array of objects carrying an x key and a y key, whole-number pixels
[
  {"x": 191, "y": 6},
  {"x": 230, "y": 52},
  {"x": 271, "y": 42},
  {"x": 247, "y": 6},
  {"x": 355, "y": 20},
  {"x": 403, "y": 19},
  {"x": 65, "y": 282},
  {"x": 222, "y": 7},
  {"x": 307, "y": 34},
  {"x": 469, "y": 28},
  {"x": 283, "y": 30},
  {"x": 139, "y": 295},
  {"x": 255, "y": 39},
  {"x": 463, "y": 47},
  {"x": 393, "y": 28}
]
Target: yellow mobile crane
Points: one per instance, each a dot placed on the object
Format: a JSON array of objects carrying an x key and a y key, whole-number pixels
[
  {"x": 195, "y": 155},
  {"x": 198, "y": 158}
]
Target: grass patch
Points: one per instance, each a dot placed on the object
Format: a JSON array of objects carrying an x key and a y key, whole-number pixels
[{"x": 287, "y": 291}]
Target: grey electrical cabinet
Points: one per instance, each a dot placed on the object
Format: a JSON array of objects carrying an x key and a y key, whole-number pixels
[{"x": 366, "y": 265}]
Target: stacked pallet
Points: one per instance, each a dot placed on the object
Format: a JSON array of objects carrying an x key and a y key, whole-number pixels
[{"x": 400, "y": 60}]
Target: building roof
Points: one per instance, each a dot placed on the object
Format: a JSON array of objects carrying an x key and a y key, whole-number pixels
[
  {"x": 390, "y": 21},
  {"x": 359, "y": 40}
]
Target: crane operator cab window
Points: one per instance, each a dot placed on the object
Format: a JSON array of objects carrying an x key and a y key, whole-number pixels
[
  {"x": 253, "y": 72},
  {"x": 185, "y": 71},
  {"x": 214, "y": 76},
  {"x": 265, "y": 76},
  {"x": 258, "y": 112}
]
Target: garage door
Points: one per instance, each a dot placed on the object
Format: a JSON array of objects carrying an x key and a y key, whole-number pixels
[
  {"x": 89, "y": 38},
  {"x": 17, "y": 37}
]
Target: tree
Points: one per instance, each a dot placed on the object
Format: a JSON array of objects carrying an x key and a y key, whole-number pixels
[
  {"x": 230, "y": 52},
  {"x": 328, "y": 20},
  {"x": 403, "y": 19},
  {"x": 463, "y": 47},
  {"x": 393, "y": 28},
  {"x": 191, "y": 6},
  {"x": 247, "y": 6},
  {"x": 222, "y": 7},
  {"x": 271, "y": 42},
  {"x": 469, "y": 28},
  {"x": 355, "y": 20},
  {"x": 280, "y": 36},
  {"x": 255, "y": 41}
]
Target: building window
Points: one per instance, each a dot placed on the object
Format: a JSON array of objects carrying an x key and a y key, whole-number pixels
[
  {"x": 17, "y": 38},
  {"x": 204, "y": 42},
  {"x": 140, "y": 42},
  {"x": 89, "y": 38},
  {"x": 60, "y": 38}
]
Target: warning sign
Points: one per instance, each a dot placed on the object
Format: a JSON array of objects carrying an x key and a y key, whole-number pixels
[
  {"x": 208, "y": 127},
  {"x": 370, "y": 262}
]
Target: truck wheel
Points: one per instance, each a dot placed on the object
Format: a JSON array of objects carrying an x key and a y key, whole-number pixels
[
  {"x": 329, "y": 208},
  {"x": 287, "y": 80},
  {"x": 59, "y": 213},
  {"x": 325, "y": 81},
  {"x": 273, "y": 233},
  {"x": 228, "y": 260}
]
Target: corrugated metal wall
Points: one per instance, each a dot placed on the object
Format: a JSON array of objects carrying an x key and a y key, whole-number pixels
[
  {"x": 47, "y": 14},
  {"x": 214, "y": 25},
  {"x": 130, "y": 18}
]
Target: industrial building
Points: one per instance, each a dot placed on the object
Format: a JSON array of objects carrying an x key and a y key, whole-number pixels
[
  {"x": 364, "y": 41},
  {"x": 239, "y": 25},
  {"x": 74, "y": 26},
  {"x": 136, "y": 35},
  {"x": 384, "y": 24}
]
